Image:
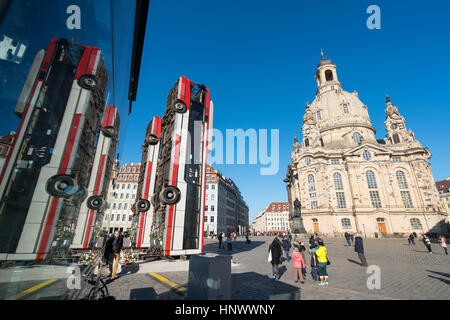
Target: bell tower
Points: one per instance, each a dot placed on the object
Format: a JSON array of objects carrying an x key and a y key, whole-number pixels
[
  {"x": 326, "y": 76},
  {"x": 396, "y": 125}
]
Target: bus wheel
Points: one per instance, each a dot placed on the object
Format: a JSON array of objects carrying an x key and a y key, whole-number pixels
[
  {"x": 179, "y": 106},
  {"x": 61, "y": 185},
  {"x": 88, "y": 81},
  {"x": 152, "y": 140},
  {"x": 170, "y": 195},
  {"x": 109, "y": 131},
  {"x": 95, "y": 202},
  {"x": 143, "y": 205}
]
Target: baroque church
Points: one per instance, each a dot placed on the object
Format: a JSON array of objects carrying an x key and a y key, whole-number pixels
[{"x": 345, "y": 179}]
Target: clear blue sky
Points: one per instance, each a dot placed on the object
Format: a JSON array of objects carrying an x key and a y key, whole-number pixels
[{"x": 259, "y": 58}]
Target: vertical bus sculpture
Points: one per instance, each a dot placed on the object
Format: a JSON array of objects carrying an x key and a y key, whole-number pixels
[
  {"x": 179, "y": 197},
  {"x": 45, "y": 176},
  {"x": 99, "y": 181},
  {"x": 143, "y": 208}
]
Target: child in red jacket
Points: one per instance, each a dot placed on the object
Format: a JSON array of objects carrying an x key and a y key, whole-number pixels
[{"x": 299, "y": 263}]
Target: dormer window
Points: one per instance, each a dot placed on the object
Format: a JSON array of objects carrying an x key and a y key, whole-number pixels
[
  {"x": 345, "y": 107},
  {"x": 357, "y": 137}
]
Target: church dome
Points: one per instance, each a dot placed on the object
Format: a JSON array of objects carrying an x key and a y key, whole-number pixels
[{"x": 324, "y": 61}]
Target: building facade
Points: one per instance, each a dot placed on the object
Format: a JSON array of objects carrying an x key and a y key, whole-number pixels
[
  {"x": 273, "y": 219},
  {"x": 225, "y": 208},
  {"x": 348, "y": 180},
  {"x": 443, "y": 188},
  {"x": 121, "y": 197}
]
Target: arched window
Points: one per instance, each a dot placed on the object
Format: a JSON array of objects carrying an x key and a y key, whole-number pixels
[
  {"x": 319, "y": 116},
  {"x": 306, "y": 142},
  {"x": 315, "y": 220},
  {"x": 396, "y": 138},
  {"x": 345, "y": 107},
  {"x": 311, "y": 183},
  {"x": 328, "y": 75},
  {"x": 401, "y": 179},
  {"x": 338, "y": 181},
  {"x": 380, "y": 219},
  {"x": 371, "y": 181},
  {"x": 366, "y": 155},
  {"x": 357, "y": 137},
  {"x": 415, "y": 223},
  {"x": 346, "y": 224}
]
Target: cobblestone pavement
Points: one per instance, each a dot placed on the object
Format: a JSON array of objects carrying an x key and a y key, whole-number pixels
[{"x": 407, "y": 272}]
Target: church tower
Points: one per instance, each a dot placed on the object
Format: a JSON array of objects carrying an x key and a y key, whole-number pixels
[{"x": 395, "y": 125}]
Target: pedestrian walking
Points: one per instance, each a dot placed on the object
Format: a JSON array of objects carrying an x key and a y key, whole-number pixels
[
  {"x": 113, "y": 248},
  {"x": 427, "y": 243},
  {"x": 229, "y": 241},
  {"x": 412, "y": 239},
  {"x": 443, "y": 244},
  {"x": 275, "y": 257},
  {"x": 351, "y": 237},
  {"x": 234, "y": 235},
  {"x": 359, "y": 248},
  {"x": 347, "y": 238},
  {"x": 302, "y": 250},
  {"x": 220, "y": 237},
  {"x": 299, "y": 265},
  {"x": 322, "y": 262},
  {"x": 286, "y": 247}
]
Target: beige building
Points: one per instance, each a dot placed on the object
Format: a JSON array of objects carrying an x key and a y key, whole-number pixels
[
  {"x": 443, "y": 187},
  {"x": 274, "y": 218},
  {"x": 348, "y": 180}
]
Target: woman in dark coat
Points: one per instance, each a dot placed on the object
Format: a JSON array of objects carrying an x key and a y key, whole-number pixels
[{"x": 275, "y": 250}]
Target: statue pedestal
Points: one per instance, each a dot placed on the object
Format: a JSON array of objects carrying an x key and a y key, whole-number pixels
[{"x": 298, "y": 228}]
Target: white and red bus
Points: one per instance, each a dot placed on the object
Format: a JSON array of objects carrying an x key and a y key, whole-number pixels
[
  {"x": 146, "y": 185},
  {"x": 46, "y": 173},
  {"x": 99, "y": 180},
  {"x": 179, "y": 197}
]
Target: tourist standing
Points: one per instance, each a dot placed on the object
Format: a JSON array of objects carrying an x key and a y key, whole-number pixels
[
  {"x": 443, "y": 244},
  {"x": 322, "y": 262},
  {"x": 220, "y": 237},
  {"x": 314, "y": 269},
  {"x": 275, "y": 252},
  {"x": 351, "y": 237},
  {"x": 229, "y": 241},
  {"x": 347, "y": 238},
  {"x": 302, "y": 250},
  {"x": 359, "y": 248},
  {"x": 427, "y": 243},
  {"x": 286, "y": 246},
  {"x": 299, "y": 265},
  {"x": 113, "y": 248}
]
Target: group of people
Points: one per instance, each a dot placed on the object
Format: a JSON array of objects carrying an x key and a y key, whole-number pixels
[
  {"x": 228, "y": 239},
  {"x": 442, "y": 242},
  {"x": 318, "y": 256}
]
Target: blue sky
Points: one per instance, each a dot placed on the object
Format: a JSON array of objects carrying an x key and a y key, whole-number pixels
[{"x": 259, "y": 59}]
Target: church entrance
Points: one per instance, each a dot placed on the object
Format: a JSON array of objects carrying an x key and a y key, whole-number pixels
[
  {"x": 315, "y": 225},
  {"x": 381, "y": 226}
]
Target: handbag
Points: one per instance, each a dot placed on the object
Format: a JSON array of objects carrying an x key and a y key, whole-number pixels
[
  {"x": 269, "y": 259},
  {"x": 328, "y": 262}
]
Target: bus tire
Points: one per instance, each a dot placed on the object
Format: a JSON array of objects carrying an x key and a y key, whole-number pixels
[
  {"x": 143, "y": 205},
  {"x": 61, "y": 186},
  {"x": 109, "y": 131},
  {"x": 95, "y": 202},
  {"x": 179, "y": 106},
  {"x": 153, "y": 139},
  {"x": 88, "y": 81},
  {"x": 170, "y": 195}
]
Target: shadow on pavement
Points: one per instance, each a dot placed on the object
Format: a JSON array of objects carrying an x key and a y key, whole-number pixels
[
  {"x": 143, "y": 294},
  {"x": 443, "y": 280},
  {"x": 354, "y": 261},
  {"x": 238, "y": 246},
  {"x": 440, "y": 273}
]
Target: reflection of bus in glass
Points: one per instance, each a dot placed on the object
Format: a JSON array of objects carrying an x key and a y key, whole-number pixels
[
  {"x": 45, "y": 176},
  {"x": 180, "y": 177},
  {"x": 143, "y": 208},
  {"x": 89, "y": 217}
]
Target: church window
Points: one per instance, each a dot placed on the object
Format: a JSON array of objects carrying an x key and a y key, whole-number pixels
[
  {"x": 345, "y": 107},
  {"x": 380, "y": 219},
  {"x": 315, "y": 220},
  {"x": 311, "y": 183},
  {"x": 346, "y": 224},
  {"x": 401, "y": 179},
  {"x": 357, "y": 137},
  {"x": 313, "y": 200},
  {"x": 319, "y": 116},
  {"x": 340, "y": 198},
  {"x": 375, "y": 199},
  {"x": 406, "y": 197},
  {"x": 396, "y": 138},
  {"x": 328, "y": 75},
  {"x": 415, "y": 223},
  {"x": 366, "y": 155},
  {"x": 337, "y": 177},
  {"x": 307, "y": 161},
  {"x": 334, "y": 161},
  {"x": 396, "y": 159},
  {"x": 306, "y": 142},
  {"x": 371, "y": 181}
]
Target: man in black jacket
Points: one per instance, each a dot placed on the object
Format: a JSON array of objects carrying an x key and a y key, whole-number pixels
[
  {"x": 112, "y": 251},
  {"x": 359, "y": 248},
  {"x": 275, "y": 251}
]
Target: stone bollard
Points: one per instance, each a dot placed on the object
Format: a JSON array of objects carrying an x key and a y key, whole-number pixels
[{"x": 209, "y": 277}]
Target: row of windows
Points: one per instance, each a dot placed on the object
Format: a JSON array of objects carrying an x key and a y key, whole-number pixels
[
  {"x": 211, "y": 219},
  {"x": 275, "y": 208},
  {"x": 127, "y": 196},
  {"x": 128, "y": 169},
  {"x": 128, "y": 177},
  {"x": 365, "y": 154},
  {"x": 118, "y": 217},
  {"x": 128, "y": 186},
  {"x": 213, "y": 187},
  {"x": 346, "y": 223},
  {"x": 212, "y": 208},
  {"x": 344, "y": 108}
]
